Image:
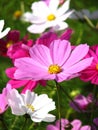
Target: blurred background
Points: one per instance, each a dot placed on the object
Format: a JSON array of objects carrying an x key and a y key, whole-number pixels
[{"x": 83, "y": 32}]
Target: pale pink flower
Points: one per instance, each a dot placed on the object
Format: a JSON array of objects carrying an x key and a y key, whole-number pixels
[
  {"x": 36, "y": 106},
  {"x": 3, "y": 98},
  {"x": 91, "y": 73},
  {"x": 58, "y": 62}
]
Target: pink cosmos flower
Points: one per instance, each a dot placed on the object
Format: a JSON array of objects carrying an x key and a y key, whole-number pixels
[
  {"x": 91, "y": 73},
  {"x": 66, "y": 125},
  {"x": 58, "y": 62},
  {"x": 20, "y": 49},
  {"x": 3, "y": 99},
  {"x": 84, "y": 104}
]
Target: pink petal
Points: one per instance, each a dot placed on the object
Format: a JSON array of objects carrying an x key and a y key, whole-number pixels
[
  {"x": 83, "y": 64},
  {"x": 31, "y": 68},
  {"x": 60, "y": 51},
  {"x": 52, "y": 127},
  {"x": 41, "y": 54},
  {"x": 76, "y": 124},
  {"x": 10, "y": 72},
  {"x": 85, "y": 128},
  {"x": 77, "y": 54}
]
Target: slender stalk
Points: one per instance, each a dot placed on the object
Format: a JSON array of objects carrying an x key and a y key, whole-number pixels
[
  {"x": 65, "y": 92},
  {"x": 25, "y": 122},
  {"x": 89, "y": 22},
  {"x": 14, "y": 123},
  {"x": 93, "y": 102},
  {"x": 3, "y": 123},
  {"x": 59, "y": 108}
]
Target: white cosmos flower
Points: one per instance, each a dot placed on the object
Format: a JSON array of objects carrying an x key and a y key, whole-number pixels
[
  {"x": 37, "y": 106},
  {"x": 45, "y": 16},
  {"x": 3, "y": 33}
]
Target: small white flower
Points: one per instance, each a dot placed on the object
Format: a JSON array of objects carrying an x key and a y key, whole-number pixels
[
  {"x": 32, "y": 104},
  {"x": 45, "y": 16},
  {"x": 3, "y": 33}
]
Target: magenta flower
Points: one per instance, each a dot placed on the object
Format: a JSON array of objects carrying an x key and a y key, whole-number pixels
[
  {"x": 56, "y": 62},
  {"x": 91, "y": 73},
  {"x": 82, "y": 103},
  {"x": 19, "y": 49},
  {"x": 3, "y": 99},
  {"x": 66, "y": 125},
  {"x": 95, "y": 124},
  {"x": 11, "y": 38},
  {"x": 28, "y": 84}
]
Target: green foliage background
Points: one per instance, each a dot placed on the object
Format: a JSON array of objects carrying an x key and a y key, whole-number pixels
[{"x": 83, "y": 33}]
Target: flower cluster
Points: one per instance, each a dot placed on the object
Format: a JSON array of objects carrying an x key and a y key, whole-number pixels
[{"x": 49, "y": 61}]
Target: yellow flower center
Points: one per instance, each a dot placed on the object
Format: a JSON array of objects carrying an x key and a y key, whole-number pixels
[
  {"x": 17, "y": 14},
  {"x": 51, "y": 17},
  {"x": 9, "y": 44},
  {"x": 54, "y": 69},
  {"x": 96, "y": 66},
  {"x": 30, "y": 107}
]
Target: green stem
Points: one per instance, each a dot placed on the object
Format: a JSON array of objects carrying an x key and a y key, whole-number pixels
[
  {"x": 59, "y": 108},
  {"x": 93, "y": 102},
  {"x": 65, "y": 92},
  {"x": 89, "y": 21},
  {"x": 25, "y": 122},
  {"x": 3, "y": 123}
]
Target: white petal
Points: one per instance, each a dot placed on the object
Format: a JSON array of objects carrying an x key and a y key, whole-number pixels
[
  {"x": 1, "y": 25},
  {"x": 53, "y": 4},
  {"x": 29, "y": 17},
  {"x": 65, "y": 16},
  {"x": 46, "y": 101},
  {"x": 60, "y": 26},
  {"x": 63, "y": 8},
  {"x": 40, "y": 9},
  {"x": 49, "y": 118},
  {"x": 28, "y": 97},
  {"x": 5, "y": 32},
  {"x": 15, "y": 102},
  {"x": 35, "y": 28}
]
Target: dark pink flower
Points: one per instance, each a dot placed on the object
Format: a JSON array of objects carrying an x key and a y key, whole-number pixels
[
  {"x": 11, "y": 38},
  {"x": 91, "y": 72},
  {"x": 19, "y": 49},
  {"x": 48, "y": 37},
  {"x": 66, "y": 125}
]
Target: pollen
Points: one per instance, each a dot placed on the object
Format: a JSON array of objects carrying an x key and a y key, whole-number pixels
[
  {"x": 51, "y": 17},
  {"x": 54, "y": 69},
  {"x": 9, "y": 44},
  {"x": 96, "y": 66},
  {"x": 29, "y": 106}
]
